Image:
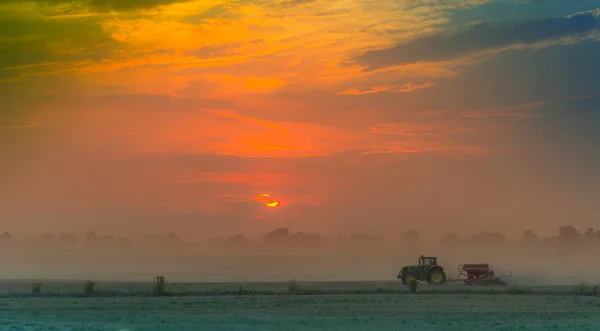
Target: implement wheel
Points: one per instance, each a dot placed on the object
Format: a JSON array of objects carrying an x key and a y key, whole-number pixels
[{"x": 436, "y": 276}]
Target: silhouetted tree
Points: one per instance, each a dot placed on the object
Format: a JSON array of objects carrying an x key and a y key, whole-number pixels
[
  {"x": 6, "y": 237},
  {"x": 173, "y": 238},
  {"x": 92, "y": 238},
  {"x": 568, "y": 234},
  {"x": 530, "y": 237},
  {"x": 590, "y": 234},
  {"x": 279, "y": 235}
]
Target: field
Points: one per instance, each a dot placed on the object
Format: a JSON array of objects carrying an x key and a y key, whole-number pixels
[{"x": 315, "y": 306}]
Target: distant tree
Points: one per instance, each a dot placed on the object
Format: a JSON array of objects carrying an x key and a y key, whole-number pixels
[
  {"x": 590, "y": 234},
  {"x": 92, "y": 238},
  {"x": 530, "y": 237},
  {"x": 278, "y": 235},
  {"x": 450, "y": 239},
  {"x": 568, "y": 234},
  {"x": 6, "y": 237},
  {"x": 173, "y": 238}
]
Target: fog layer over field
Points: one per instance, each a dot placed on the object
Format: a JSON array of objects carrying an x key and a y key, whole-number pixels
[{"x": 281, "y": 255}]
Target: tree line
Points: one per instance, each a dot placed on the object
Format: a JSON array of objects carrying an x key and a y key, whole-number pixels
[{"x": 567, "y": 234}]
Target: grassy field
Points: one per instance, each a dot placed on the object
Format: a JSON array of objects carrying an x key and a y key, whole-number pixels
[
  {"x": 422, "y": 311},
  {"x": 53, "y": 288},
  {"x": 384, "y": 305},
  {"x": 20, "y": 288}
]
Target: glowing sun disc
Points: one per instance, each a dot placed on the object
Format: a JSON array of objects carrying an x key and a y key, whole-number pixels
[
  {"x": 266, "y": 200},
  {"x": 272, "y": 204}
]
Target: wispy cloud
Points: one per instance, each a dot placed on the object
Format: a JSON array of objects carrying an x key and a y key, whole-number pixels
[
  {"x": 479, "y": 37},
  {"x": 405, "y": 88}
]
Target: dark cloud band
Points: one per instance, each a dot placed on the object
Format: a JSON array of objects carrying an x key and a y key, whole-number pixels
[{"x": 479, "y": 37}]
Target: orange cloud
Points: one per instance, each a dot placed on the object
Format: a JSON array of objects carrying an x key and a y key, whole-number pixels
[
  {"x": 412, "y": 86},
  {"x": 227, "y": 132},
  {"x": 376, "y": 89}
]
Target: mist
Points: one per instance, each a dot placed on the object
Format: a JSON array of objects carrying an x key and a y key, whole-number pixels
[{"x": 281, "y": 255}]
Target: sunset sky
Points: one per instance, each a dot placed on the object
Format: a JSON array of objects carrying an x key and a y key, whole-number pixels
[{"x": 137, "y": 117}]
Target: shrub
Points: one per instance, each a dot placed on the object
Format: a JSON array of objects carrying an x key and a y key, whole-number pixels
[
  {"x": 36, "y": 287},
  {"x": 587, "y": 289},
  {"x": 293, "y": 286},
  {"x": 160, "y": 285},
  {"x": 413, "y": 285},
  {"x": 89, "y": 286}
]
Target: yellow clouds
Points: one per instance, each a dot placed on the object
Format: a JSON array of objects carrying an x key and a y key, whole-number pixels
[
  {"x": 231, "y": 85},
  {"x": 301, "y": 42},
  {"x": 264, "y": 59}
]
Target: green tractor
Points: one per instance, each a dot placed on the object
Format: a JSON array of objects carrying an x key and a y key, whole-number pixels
[{"x": 426, "y": 271}]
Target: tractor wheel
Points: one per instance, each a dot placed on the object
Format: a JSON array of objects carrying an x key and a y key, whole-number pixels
[
  {"x": 436, "y": 276},
  {"x": 406, "y": 279}
]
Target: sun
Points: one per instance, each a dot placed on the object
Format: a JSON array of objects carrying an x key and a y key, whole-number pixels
[
  {"x": 273, "y": 203},
  {"x": 266, "y": 200}
]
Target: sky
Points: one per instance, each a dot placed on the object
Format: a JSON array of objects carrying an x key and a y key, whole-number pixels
[{"x": 135, "y": 117}]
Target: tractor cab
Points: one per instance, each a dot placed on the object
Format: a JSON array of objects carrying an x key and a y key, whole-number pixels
[{"x": 427, "y": 261}]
